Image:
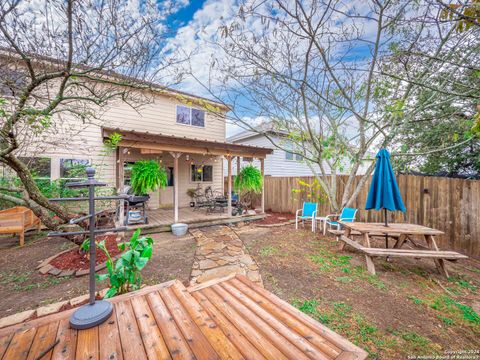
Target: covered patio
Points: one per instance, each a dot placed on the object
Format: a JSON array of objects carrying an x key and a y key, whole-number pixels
[{"x": 180, "y": 156}]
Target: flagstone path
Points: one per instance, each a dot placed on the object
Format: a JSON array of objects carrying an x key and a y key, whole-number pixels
[{"x": 219, "y": 253}]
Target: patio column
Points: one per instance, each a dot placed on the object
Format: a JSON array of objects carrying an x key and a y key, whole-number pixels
[
  {"x": 238, "y": 172},
  {"x": 262, "y": 169},
  {"x": 229, "y": 193},
  {"x": 176, "y": 156},
  {"x": 120, "y": 181}
]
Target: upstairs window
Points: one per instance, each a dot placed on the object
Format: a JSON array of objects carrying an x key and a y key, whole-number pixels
[
  {"x": 190, "y": 116},
  {"x": 291, "y": 156}
]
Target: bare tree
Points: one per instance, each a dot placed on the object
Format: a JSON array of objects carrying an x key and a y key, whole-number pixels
[
  {"x": 70, "y": 59},
  {"x": 341, "y": 79}
]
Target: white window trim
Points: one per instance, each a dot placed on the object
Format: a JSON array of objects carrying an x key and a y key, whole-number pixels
[{"x": 190, "y": 124}]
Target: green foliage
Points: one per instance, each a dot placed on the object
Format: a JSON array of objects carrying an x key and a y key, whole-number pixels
[
  {"x": 124, "y": 275},
  {"x": 111, "y": 143},
  {"x": 310, "y": 192},
  {"x": 418, "y": 341},
  {"x": 447, "y": 321},
  {"x": 249, "y": 180},
  {"x": 147, "y": 175}
]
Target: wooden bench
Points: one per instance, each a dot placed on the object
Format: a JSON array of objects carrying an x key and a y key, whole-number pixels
[
  {"x": 417, "y": 254},
  {"x": 17, "y": 220},
  {"x": 339, "y": 233}
]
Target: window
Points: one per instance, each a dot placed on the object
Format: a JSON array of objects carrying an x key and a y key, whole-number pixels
[
  {"x": 73, "y": 168},
  {"x": 40, "y": 167},
  {"x": 169, "y": 176},
  {"x": 288, "y": 155},
  {"x": 190, "y": 116},
  {"x": 201, "y": 173}
]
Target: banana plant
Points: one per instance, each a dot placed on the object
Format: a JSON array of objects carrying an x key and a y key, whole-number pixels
[{"x": 124, "y": 275}]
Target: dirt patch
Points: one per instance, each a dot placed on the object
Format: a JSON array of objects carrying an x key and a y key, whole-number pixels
[
  {"x": 406, "y": 309},
  {"x": 76, "y": 260},
  {"x": 23, "y": 288},
  {"x": 275, "y": 218}
]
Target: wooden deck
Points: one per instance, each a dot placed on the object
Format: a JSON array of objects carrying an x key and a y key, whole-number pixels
[
  {"x": 161, "y": 219},
  {"x": 229, "y": 318}
]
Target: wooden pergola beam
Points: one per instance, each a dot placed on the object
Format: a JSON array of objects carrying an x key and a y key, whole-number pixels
[{"x": 159, "y": 142}]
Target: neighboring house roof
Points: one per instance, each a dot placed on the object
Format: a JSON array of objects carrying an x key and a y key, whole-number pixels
[
  {"x": 247, "y": 134},
  {"x": 163, "y": 90}
]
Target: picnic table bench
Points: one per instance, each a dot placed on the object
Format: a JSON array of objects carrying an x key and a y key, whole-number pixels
[
  {"x": 402, "y": 233},
  {"x": 17, "y": 220}
]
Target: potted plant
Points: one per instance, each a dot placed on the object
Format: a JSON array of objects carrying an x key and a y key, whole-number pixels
[
  {"x": 191, "y": 194},
  {"x": 147, "y": 176},
  {"x": 248, "y": 182}
]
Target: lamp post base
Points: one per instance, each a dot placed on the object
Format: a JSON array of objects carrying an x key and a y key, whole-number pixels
[{"x": 91, "y": 315}]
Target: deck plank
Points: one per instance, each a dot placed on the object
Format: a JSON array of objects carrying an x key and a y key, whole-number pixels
[
  {"x": 87, "y": 344},
  {"x": 249, "y": 351},
  {"x": 132, "y": 344},
  {"x": 20, "y": 345},
  {"x": 278, "y": 339},
  {"x": 173, "y": 338},
  {"x": 328, "y": 348},
  {"x": 262, "y": 344},
  {"x": 230, "y": 318},
  {"x": 220, "y": 342},
  {"x": 195, "y": 338},
  {"x": 44, "y": 339},
  {"x": 110, "y": 344},
  {"x": 4, "y": 342},
  {"x": 152, "y": 337},
  {"x": 324, "y": 331},
  {"x": 288, "y": 333},
  {"x": 67, "y": 341}
]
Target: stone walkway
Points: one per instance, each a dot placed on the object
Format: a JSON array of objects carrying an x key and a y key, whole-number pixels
[{"x": 219, "y": 253}]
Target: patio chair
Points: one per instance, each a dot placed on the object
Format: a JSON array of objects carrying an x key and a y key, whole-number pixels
[
  {"x": 308, "y": 212},
  {"x": 347, "y": 215}
]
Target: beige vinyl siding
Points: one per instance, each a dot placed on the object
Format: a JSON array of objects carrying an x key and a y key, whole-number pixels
[
  {"x": 71, "y": 139},
  {"x": 184, "y": 177}
]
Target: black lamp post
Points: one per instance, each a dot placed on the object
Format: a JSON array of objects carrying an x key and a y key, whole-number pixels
[{"x": 96, "y": 311}]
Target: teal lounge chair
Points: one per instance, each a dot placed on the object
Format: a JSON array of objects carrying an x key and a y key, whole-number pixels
[
  {"x": 308, "y": 212},
  {"x": 347, "y": 215}
]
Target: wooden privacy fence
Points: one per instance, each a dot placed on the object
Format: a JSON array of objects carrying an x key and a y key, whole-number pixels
[{"x": 450, "y": 205}]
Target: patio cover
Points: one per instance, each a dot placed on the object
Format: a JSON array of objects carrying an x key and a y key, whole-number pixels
[{"x": 147, "y": 140}]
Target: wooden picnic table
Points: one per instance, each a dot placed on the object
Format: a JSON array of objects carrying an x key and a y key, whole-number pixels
[{"x": 402, "y": 233}]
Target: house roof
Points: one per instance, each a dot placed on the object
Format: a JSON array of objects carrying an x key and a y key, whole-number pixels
[
  {"x": 258, "y": 131},
  {"x": 158, "y": 88},
  {"x": 158, "y": 141},
  {"x": 225, "y": 318}
]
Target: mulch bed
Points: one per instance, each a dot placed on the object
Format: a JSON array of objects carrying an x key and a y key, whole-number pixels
[
  {"x": 74, "y": 260},
  {"x": 275, "y": 218}
]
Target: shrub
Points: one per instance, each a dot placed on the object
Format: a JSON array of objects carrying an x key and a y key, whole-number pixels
[{"x": 124, "y": 275}]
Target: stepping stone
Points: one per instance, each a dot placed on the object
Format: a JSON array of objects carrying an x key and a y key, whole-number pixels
[
  {"x": 50, "y": 309},
  {"x": 207, "y": 264},
  {"x": 220, "y": 272},
  {"x": 45, "y": 269},
  {"x": 16, "y": 318}
]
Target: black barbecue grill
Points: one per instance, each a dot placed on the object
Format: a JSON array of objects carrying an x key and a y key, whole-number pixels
[{"x": 135, "y": 202}]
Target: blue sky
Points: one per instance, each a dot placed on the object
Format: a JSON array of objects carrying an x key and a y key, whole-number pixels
[{"x": 185, "y": 14}]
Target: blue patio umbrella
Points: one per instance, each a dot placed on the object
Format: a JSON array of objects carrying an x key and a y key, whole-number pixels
[{"x": 384, "y": 192}]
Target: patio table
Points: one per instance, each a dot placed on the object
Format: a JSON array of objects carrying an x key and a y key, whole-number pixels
[{"x": 403, "y": 233}]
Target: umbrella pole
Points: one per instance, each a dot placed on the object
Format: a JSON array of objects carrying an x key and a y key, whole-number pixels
[{"x": 386, "y": 224}]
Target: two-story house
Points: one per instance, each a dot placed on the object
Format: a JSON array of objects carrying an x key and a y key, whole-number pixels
[{"x": 183, "y": 132}]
